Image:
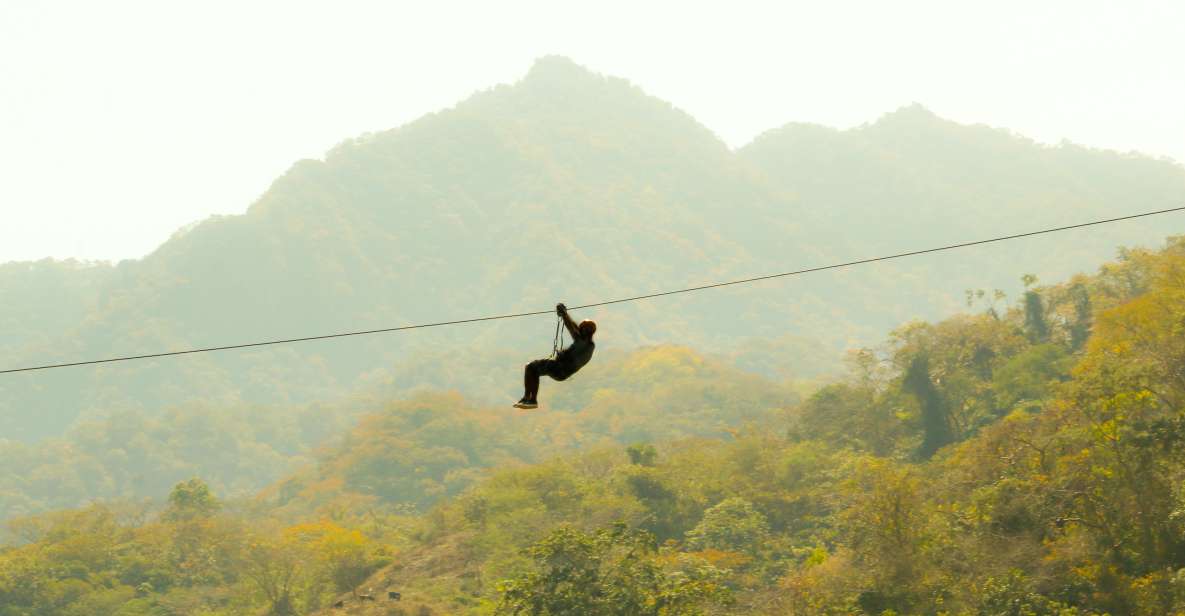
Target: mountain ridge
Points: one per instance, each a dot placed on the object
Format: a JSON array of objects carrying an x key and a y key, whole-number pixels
[{"x": 566, "y": 186}]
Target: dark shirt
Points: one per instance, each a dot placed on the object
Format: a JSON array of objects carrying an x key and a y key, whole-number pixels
[{"x": 576, "y": 354}]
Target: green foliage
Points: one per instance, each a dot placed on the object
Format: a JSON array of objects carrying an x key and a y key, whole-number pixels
[
  {"x": 194, "y": 559},
  {"x": 1035, "y": 325},
  {"x": 731, "y": 525},
  {"x": 1012, "y": 596},
  {"x": 642, "y": 454},
  {"x": 433, "y": 446},
  {"x": 191, "y": 499},
  {"x": 1028, "y": 378},
  {"x": 859, "y": 413},
  {"x": 1056, "y": 491},
  {"x": 647, "y": 394},
  {"x": 936, "y": 429},
  {"x": 1080, "y": 326},
  {"x": 1058, "y": 499},
  {"x": 613, "y": 572}
]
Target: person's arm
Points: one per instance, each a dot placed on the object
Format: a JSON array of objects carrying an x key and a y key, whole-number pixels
[{"x": 569, "y": 324}]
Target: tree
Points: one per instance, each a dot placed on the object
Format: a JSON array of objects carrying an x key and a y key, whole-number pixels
[
  {"x": 274, "y": 565},
  {"x": 642, "y": 454},
  {"x": 609, "y": 572},
  {"x": 936, "y": 430},
  {"x": 1011, "y": 595},
  {"x": 885, "y": 524},
  {"x": 732, "y": 525},
  {"x": 1080, "y": 327},
  {"x": 1129, "y": 389},
  {"x": 1036, "y": 326},
  {"x": 346, "y": 557},
  {"x": 191, "y": 499}
]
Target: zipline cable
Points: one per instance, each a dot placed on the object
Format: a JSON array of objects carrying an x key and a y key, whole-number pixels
[
  {"x": 604, "y": 303},
  {"x": 875, "y": 259}
]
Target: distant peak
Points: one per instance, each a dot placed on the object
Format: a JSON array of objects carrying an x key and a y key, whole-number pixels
[
  {"x": 914, "y": 112},
  {"x": 556, "y": 69}
]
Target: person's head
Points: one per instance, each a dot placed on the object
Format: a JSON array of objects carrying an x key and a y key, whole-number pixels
[{"x": 587, "y": 328}]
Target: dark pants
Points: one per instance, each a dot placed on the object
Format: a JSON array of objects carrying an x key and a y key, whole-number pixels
[{"x": 538, "y": 368}]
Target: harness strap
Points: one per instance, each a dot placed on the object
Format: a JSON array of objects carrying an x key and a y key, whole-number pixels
[{"x": 557, "y": 343}]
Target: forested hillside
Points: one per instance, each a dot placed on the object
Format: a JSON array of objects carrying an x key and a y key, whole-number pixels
[
  {"x": 408, "y": 452},
  {"x": 1020, "y": 458},
  {"x": 570, "y": 186},
  {"x": 433, "y": 446}
]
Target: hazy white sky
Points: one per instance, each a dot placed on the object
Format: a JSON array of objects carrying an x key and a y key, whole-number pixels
[{"x": 122, "y": 121}]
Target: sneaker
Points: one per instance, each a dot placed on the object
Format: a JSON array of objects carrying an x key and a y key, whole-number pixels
[{"x": 526, "y": 404}]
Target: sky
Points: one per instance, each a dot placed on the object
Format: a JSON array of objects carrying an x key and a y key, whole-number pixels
[{"x": 121, "y": 122}]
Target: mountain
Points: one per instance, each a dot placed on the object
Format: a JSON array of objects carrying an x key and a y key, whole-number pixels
[
  {"x": 566, "y": 186},
  {"x": 1014, "y": 461},
  {"x": 910, "y": 173}
]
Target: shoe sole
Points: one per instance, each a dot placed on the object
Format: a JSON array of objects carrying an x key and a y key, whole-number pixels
[{"x": 519, "y": 405}]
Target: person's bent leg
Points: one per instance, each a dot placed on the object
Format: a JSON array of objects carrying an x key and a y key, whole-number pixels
[{"x": 531, "y": 381}]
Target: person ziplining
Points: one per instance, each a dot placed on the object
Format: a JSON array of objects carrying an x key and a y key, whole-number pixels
[{"x": 564, "y": 362}]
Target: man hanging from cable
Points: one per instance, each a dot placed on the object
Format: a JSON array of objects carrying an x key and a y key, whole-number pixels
[{"x": 564, "y": 362}]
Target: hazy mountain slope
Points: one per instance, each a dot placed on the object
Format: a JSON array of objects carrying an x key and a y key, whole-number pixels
[
  {"x": 913, "y": 180},
  {"x": 414, "y": 452},
  {"x": 565, "y": 186},
  {"x": 406, "y": 452},
  {"x": 42, "y": 297}
]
